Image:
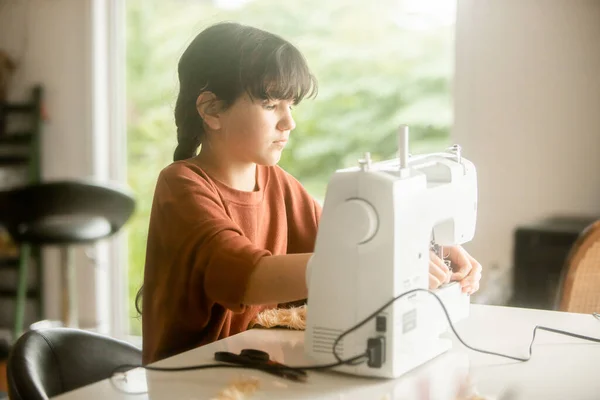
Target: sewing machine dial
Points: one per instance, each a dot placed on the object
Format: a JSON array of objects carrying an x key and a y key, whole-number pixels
[{"x": 357, "y": 220}]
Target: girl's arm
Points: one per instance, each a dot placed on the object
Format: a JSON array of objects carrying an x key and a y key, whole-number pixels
[{"x": 278, "y": 279}]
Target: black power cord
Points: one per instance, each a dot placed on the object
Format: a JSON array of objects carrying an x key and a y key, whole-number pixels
[
  {"x": 356, "y": 360},
  {"x": 386, "y": 305}
]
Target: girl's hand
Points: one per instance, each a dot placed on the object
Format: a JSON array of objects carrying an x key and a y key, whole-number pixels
[{"x": 465, "y": 268}]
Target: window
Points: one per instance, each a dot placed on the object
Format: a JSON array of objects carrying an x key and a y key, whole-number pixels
[{"x": 379, "y": 64}]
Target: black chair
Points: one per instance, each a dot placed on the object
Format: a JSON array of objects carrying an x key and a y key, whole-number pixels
[
  {"x": 50, "y": 362},
  {"x": 61, "y": 213}
]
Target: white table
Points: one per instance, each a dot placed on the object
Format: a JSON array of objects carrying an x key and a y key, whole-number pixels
[{"x": 562, "y": 367}]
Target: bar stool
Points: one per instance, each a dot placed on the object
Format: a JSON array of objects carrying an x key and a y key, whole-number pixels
[{"x": 62, "y": 213}]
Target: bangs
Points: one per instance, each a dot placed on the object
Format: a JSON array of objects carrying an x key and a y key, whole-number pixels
[{"x": 278, "y": 74}]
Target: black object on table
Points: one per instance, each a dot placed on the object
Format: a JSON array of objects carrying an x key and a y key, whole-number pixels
[{"x": 259, "y": 359}]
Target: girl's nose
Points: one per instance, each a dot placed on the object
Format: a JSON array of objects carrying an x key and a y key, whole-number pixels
[{"x": 287, "y": 123}]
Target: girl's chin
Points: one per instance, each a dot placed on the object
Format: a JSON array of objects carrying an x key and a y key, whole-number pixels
[{"x": 271, "y": 159}]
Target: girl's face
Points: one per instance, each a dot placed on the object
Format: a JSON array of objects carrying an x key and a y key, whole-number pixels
[{"x": 256, "y": 131}]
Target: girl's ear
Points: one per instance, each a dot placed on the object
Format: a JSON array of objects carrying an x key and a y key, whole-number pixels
[{"x": 209, "y": 108}]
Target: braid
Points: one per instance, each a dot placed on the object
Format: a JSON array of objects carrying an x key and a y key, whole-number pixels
[
  {"x": 187, "y": 144},
  {"x": 190, "y": 130}
]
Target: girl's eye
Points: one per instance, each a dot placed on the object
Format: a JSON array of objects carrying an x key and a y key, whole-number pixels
[{"x": 273, "y": 106}]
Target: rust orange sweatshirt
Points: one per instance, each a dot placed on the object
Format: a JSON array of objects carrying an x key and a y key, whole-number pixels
[{"x": 204, "y": 241}]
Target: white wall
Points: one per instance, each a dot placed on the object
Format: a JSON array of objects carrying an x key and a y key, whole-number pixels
[
  {"x": 52, "y": 43},
  {"x": 527, "y": 102}
]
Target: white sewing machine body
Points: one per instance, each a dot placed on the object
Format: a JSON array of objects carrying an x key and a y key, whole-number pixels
[{"x": 373, "y": 244}]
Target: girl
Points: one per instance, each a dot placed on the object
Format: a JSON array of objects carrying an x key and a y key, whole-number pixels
[{"x": 231, "y": 232}]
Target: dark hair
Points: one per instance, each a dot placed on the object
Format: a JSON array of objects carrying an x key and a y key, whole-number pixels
[{"x": 229, "y": 59}]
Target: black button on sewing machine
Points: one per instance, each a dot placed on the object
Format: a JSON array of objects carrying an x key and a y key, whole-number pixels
[{"x": 380, "y": 323}]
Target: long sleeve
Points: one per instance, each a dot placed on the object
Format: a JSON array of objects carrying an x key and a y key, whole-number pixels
[{"x": 203, "y": 238}]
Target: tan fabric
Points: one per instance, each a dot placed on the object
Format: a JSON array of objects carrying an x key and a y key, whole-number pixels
[
  {"x": 290, "y": 318},
  {"x": 204, "y": 241}
]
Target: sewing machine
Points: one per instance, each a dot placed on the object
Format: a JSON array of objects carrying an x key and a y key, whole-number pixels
[{"x": 373, "y": 244}]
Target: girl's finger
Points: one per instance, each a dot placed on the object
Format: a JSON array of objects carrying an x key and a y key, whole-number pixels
[
  {"x": 434, "y": 283},
  {"x": 441, "y": 265},
  {"x": 438, "y": 272}
]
